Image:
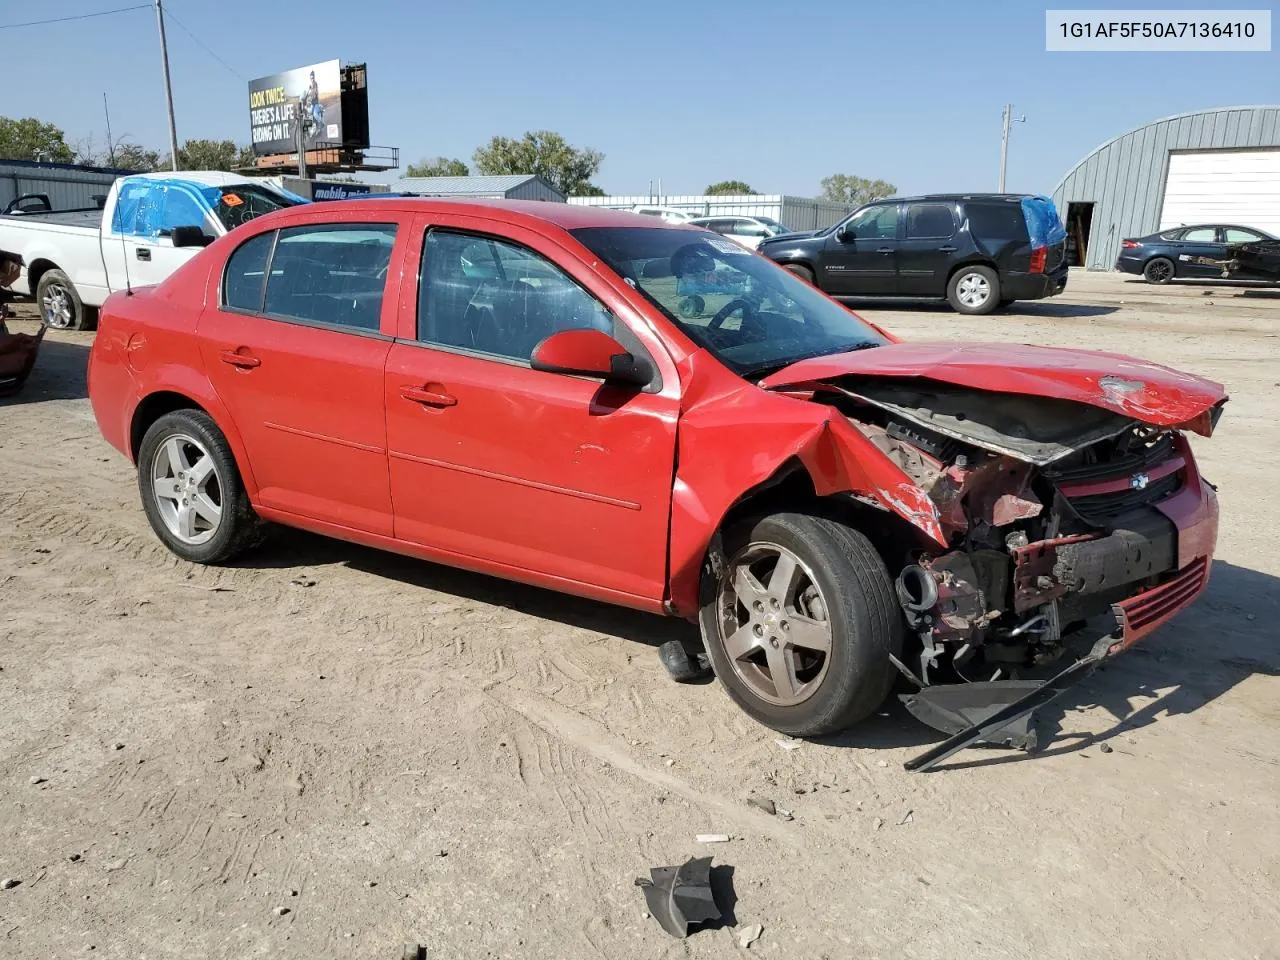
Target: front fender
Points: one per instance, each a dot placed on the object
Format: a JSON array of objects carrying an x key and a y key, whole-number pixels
[{"x": 734, "y": 436}]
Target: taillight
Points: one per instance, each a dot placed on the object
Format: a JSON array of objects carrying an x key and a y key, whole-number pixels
[
  {"x": 1038, "y": 257},
  {"x": 1130, "y": 244}
]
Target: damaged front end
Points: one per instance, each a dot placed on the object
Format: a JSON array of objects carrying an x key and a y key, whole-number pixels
[{"x": 1065, "y": 524}]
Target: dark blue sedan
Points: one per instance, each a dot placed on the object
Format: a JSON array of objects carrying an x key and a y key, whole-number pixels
[{"x": 1175, "y": 254}]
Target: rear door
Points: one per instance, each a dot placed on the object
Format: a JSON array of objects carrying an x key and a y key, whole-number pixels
[
  {"x": 540, "y": 475},
  {"x": 1201, "y": 242},
  {"x": 296, "y": 350},
  {"x": 927, "y": 249},
  {"x": 861, "y": 257}
]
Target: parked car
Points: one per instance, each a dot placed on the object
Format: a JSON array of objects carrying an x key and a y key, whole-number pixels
[
  {"x": 669, "y": 214},
  {"x": 148, "y": 226},
  {"x": 979, "y": 251},
  {"x": 1183, "y": 253},
  {"x": 748, "y": 231},
  {"x": 512, "y": 388}
]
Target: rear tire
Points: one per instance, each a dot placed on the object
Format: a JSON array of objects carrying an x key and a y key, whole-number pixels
[
  {"x": 191, "y": 489},
  {"x": 974, "y": 290},
  {"x": 840, "y": 587},
  {"x": 60, "y": 305},
  {"x": 801, "y": 271},
  {"x": 1159, "y": 270}
]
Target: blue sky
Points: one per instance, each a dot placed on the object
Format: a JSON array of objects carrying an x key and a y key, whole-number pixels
[{"x": 776, "y": 94}]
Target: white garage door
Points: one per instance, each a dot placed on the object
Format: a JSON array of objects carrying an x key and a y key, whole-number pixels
[{"x": 1223, "y": 186}]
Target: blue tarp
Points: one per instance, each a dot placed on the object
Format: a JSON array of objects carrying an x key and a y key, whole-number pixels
[{"x": 1043, "y": 223}]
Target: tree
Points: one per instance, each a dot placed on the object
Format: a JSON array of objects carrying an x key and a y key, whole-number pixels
[
  {"x": 437, "y": 167},
  {"x": 30, "y": 139},
  {"x": 544, "y": 153},
  {"x": 131, "y": 156},
  {"x": 589, "y": 190},
  {"x": 212, "y": 155},
  {"x": 728, "y": 187},
  {"x": 846, "y": 188}
]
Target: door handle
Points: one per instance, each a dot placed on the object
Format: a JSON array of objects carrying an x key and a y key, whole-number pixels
[
  {"x": 885, "y": 250},
  {"x": 947, "y": 249},
  {"x": 245, "y": 361},
  {"x": 142, "y": 253},
  {"x": 428, "y": 398}
]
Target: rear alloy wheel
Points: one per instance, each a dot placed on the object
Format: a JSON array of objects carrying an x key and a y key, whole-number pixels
[
  {"x": 1159, "y": 270},
  {"x": 191, "y": 490},
  {"x": 974, "y": 290},
  {"x": 60, "y": 305},
  {"x": 802, "y": 623}
]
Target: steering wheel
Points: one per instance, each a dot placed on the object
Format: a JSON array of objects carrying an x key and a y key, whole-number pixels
[{"x": 730, "y": 308}]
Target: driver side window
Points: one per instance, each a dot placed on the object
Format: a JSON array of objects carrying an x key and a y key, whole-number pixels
[{"x": 877, "y": 223}]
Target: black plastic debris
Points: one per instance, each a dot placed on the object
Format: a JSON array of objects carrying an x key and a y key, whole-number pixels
[
  {"x": 684, "y": 667},
  {"x": 680, "y": 898}
]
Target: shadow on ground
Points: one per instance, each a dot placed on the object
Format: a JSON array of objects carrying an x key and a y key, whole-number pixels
[
  {"x": 58, "y": 374},
  {"x": 1024, "y": 308}
]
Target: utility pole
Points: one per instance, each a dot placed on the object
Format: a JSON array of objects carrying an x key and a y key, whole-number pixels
[
  {"x": 1004, "y": 139},
  {"x": 168, "y": 88},
  {"x": 302, "y": 139}
]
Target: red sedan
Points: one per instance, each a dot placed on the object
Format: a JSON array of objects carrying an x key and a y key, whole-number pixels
[{"x": 650, "y": 415}]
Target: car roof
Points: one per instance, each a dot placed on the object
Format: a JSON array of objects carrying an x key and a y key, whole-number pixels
[
  {"x": 1008, "y": 197},
  {"x": 563, "y": 215},
  {"x": 210, "y": 178}
]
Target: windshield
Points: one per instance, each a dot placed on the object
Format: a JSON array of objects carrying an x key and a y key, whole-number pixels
[
  {"x": 750, "y": 313},
  {"x": 243, "y": 202}
]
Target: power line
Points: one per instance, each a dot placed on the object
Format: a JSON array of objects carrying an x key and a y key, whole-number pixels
[
  {"x": 201, "y": 43},
  {"x": 82, "y": 16}
]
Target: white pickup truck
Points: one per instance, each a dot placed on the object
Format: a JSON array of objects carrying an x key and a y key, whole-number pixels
[{"x": 150, "y": 224}]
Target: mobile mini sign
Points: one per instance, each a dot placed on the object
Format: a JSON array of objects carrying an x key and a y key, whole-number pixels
[{"x": 309, "y": 96}]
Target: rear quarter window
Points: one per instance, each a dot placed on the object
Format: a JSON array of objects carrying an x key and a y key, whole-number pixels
[{"x": 997, "y": 222}]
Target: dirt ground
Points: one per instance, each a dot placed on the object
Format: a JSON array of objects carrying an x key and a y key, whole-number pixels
[{"x": 397, "y": 752}]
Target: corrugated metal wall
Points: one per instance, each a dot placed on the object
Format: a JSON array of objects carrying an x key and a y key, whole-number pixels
[
  {"x": 535, "y": 189},
  {"x": 68, "y": 187},
  {"x": 1124, "y": 178},
  {"x": 798, "y": 213}
]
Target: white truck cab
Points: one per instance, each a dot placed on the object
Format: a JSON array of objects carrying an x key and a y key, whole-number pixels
[{"x": 76, "y": 259}]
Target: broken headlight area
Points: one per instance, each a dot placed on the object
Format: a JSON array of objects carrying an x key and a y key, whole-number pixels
[{"x": 1052, "y": 511}]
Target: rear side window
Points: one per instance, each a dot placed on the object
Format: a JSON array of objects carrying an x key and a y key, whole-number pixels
[
  {"x": 244, "y": 282},
  {"x": 331, "y": 274},
  {"x": 998, "y": 222},
  {"x": 929, "y": 221}
]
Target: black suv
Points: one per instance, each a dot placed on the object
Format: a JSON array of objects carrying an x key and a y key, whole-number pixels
[{"x": 979, "y": 251}]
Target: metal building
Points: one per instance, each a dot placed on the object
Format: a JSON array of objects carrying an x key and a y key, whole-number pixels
[
  {"x": 68, "y": 185},
  {"x": 515, "y": 187},
  {"x": 798, "y": 213},
  {"x": 1211, "y": 166}
]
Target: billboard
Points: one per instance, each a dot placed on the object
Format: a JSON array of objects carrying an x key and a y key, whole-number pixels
[{"x": 310, "y": 95}]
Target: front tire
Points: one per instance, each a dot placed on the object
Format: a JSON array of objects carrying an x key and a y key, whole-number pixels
[
  {"x": 801, "y": 624},
  {"x": 191, "y": 489},
  {"x": 60, "y": 305},
  {"x": 1159, "y": 270},
  {"x": 974, "y": 290}
]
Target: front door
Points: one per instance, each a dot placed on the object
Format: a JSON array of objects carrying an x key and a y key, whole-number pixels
[
  {"x": 295, "y": 350},
  {"x": 861, "y": 256},
  {"x": 542, "y": 474},
  {"x": 137, "y": 247},
  {"x": 927, "y": 249}
]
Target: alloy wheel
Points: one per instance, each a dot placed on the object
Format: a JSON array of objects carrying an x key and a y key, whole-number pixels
[
  {"x": 773, "y": 624},
  {"x": 1158, "y": 271},
  {"x": 973, "y": 290},
  {"x": 187, "y": 489},
  {"x": 56, "y": 307}
]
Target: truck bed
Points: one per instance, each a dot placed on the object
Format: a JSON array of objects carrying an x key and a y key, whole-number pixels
[{"x": 90, "y": 219}]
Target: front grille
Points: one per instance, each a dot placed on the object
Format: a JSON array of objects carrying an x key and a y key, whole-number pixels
[
  {"x": 1100, "y": 509},
  {"x": 1112, "y": 463}
]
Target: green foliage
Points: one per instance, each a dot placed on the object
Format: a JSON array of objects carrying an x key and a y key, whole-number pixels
[
  {"x": 589, "y": 190},
  {"x": 846, "y": 188},
  {"x": 131, "y": 156},
  {"x": 437, "y": 167},
  {"x": 728, "y": 188},
  {"x": 30, "y": 139},
  {"x": 213, "y": 155},
  {"x": 544, "y": 153}
]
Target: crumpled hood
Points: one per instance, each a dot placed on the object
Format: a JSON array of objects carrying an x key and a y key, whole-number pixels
[{"x": 1134, "y": 388}]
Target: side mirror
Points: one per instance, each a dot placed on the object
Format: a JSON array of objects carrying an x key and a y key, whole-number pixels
[
  {"x": 590, "y": 353},
  {"x": 190, "y": 237},
  {"x": 845, "y": 235}
]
